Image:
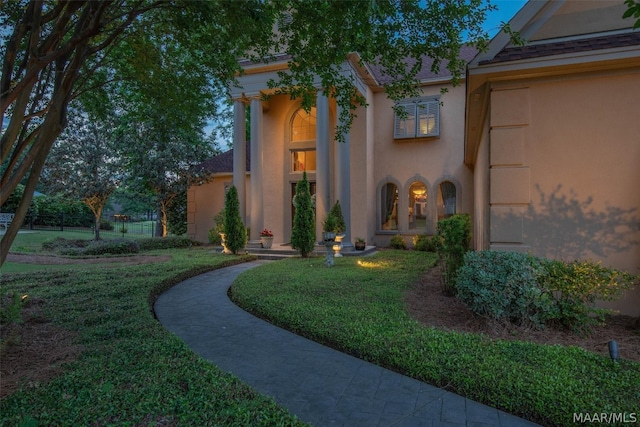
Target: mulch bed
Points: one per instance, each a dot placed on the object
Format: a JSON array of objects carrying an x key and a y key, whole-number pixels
[{"x": 427, "y": 304}]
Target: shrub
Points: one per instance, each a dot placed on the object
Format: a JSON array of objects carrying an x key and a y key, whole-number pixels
[
  {"x": 106, "y": 225},
  {"x": 454, "y": 234},
  {"x": 336, "y": 212},
  {"x": 111, "y": 247},
  {"x": 60, "y": 243},
  {"x": 397, "y": 242},
  {"x": 303, "y": 235},
  {"x": 165, "y": 243},
  {"x": 523, "y": 289},
  {"x": 504, "y": 286},
  {"x": 214, "y": 233},
  {"x": 422, "y": 242},
  {"x": 235, "y": 233},
  {"x": 577, "y": 285}
]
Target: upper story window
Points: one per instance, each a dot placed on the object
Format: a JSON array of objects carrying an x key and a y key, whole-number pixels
[
  {"x": 420, "y": 118},
  {"x": 303, "y": 160},
  {"x": 303, "y": 125}
]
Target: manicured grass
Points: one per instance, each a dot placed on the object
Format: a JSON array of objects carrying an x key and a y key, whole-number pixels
[
  {"x": 357, "y": 307},
  {"x": 132, "y": 371},
  {"x": 17, "y": 267}
]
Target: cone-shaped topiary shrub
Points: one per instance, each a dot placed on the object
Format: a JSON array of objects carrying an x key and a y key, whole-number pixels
[
  {"x": 235, "y": 233},
  {"x": 304, "y": 225},
  {"x": 336, "y": 212}
]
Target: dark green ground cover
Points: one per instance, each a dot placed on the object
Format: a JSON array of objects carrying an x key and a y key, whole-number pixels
[
  {"x": 132, "y": 371},
  {"x": 357, "y": 307}
]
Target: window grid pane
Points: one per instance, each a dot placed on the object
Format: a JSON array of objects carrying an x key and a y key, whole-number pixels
[
  {"x": 421, "y": 118},
  {"x": 303, "y": 126}
]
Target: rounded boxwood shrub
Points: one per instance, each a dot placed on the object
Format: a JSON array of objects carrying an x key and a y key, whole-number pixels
[
  {"x": 422, "y": 242},
  {"x": 505, "y": 286},
  {"x": 111, "y": 247},
  {"x": 397, "y": 242}
]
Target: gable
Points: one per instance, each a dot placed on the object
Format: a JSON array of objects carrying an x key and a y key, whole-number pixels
[
  {"x": 565, "y": 38},
  {"x": 581, "y": 18}
]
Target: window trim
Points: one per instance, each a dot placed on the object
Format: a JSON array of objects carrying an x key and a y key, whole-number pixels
[{"x": 411, "y": 107}]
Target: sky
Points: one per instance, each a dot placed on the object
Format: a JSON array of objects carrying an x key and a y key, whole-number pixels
[{"x": 506, "y": 9}]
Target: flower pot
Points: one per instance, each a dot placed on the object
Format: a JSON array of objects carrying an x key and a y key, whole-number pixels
[
  {"x": 266, "y": 241},
  {"x": 360, "y": 246},
  {"x": 329, "y": 236}
]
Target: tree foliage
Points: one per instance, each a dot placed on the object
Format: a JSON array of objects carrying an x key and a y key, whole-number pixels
[
  {"x": 633, "y": 11},
  {"x": 84, "y": 164},
  {"x": 53, "y": 52},
  {"x": 235, "y": 232},
  {"x": 303, "y": 235}
]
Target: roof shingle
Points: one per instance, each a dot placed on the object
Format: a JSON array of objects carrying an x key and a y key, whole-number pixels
[{"x": 569, "y": 46}]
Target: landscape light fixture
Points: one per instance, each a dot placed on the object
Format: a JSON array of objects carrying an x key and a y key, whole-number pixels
[{"x": 613, "y": 350}]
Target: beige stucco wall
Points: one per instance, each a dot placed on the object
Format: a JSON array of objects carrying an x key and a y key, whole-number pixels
[
  {"x": 428, "y": 159},
  {"x": 203, "y": 203},
  {"x": 564, "y": 171}
]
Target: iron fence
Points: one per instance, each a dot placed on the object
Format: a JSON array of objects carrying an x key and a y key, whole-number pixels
[{"x": 117, "y": 225}]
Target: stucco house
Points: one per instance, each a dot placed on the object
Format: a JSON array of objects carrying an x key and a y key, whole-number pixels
[{"x": 540, "y": 144}]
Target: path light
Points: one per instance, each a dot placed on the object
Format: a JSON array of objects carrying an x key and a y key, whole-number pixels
[{"x": 613, "y": 350}]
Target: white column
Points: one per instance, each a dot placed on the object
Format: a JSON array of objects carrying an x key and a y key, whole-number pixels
[
  {"x": 343, "y": 180},
  {"x": 257, "y": 220},
  {"x": 322, "y": 160},
  {"x": 240, "y": 155}
]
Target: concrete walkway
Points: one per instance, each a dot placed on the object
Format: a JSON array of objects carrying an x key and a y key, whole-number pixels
[{"x": 321, "y": 386}]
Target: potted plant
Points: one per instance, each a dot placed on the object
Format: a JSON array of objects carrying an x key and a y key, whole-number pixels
[
  {"x": 266, "y": 238},
  {"x": 328, "y": 228},
  {"x": 360, "y": 244},
  {"x": 340, "y": 225}
]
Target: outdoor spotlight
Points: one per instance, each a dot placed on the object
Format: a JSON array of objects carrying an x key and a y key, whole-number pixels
[{"x": 613, "y": 350}]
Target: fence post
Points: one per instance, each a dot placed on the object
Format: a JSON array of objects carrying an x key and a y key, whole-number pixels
[{"x": 62, "y": 221}]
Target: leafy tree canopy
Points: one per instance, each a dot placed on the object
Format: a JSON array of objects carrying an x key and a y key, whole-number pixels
[{"x": 54, "y": 52}]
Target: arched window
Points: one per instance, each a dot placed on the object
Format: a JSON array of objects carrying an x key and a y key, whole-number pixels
[
  {"x": 417, "y": 206},
  {"x": 303, "y": 125},
  {"x": 389, "y": 206},
  {"x": 303, "y": 135},
  {"x": 446, "y": 199}
]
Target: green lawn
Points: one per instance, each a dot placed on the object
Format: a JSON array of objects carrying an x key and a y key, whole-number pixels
[
  {"x": 132, "y": 371},
  {"x": 357, "y": 307}
]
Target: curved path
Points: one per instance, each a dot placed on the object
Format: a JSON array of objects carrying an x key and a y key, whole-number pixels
[{"x": 321, "y": 386}]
